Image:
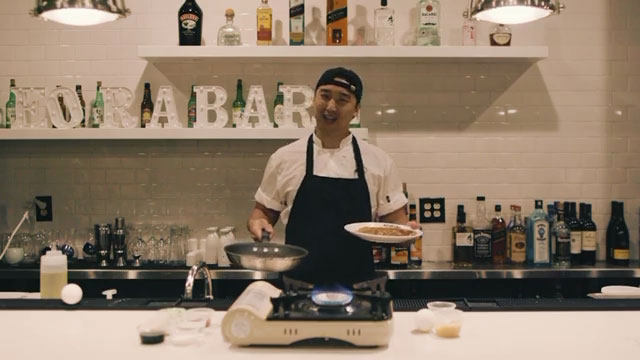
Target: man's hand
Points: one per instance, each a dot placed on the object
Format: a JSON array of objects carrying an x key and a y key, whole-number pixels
[{"x": 261, "y": 218}]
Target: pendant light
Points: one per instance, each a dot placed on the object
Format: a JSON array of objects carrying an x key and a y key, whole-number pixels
[
  {"x": 512, "y": 11},
  {"x": 81, "y": 12}
]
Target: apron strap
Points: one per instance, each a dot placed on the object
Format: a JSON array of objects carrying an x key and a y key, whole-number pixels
[{"x": 309, "y": 157}]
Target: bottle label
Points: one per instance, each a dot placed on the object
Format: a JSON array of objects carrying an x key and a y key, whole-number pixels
[
  {"x": 188, "y": 23},
  {"x": 97, "y": 115},
  {"x": 264, "y": 26},
  {"x": 146, "y": 117},
  {"x": 541, "y": 242},
  {"x": 498, "y": 239},
  {"x": 278, "y": 114},
  {"x": 336, "y": 15},
  {"x": 589, "y": 241},
  {"x": 464, "y": 239},
  {"x": 384, "y": 21},
  {"x": 481, "y": 244},
  {"x": 237, "y": 116},
  {"x": 191, "y": 115},
  {"x": 399, "y": 255},
  {"x": 296, "y": 8},
  {"x": 576, "y": 242},
  {"x": 416, "y": 250},
  {"x": 501, "y": 39},
  {"x": 563, "y": 247},
  {"x": 429, "y": 16},
  {"x": 296, "y": 22},
  {"x": 621, "y": 254},
  {"x": 518, "y": 247}
]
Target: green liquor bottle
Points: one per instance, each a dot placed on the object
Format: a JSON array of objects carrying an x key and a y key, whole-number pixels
[
  {"x": 97, "y": 112},
  {"x": 278, "y": 106},
  {"x": 192, "y": 109},
  {"x": 10, "y": 114},
  {"x": 238, "y": 105}
]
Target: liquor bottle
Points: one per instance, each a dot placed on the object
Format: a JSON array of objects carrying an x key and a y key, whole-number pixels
[
  {"x": 415, "y": 250},
  {"x": 609, "y": 245},
  {"x": 552, "y": 217},
  {"x": 469, "y": 32},
  {"x": 561, "y": 235},
  {"x": 264, "y": 23},
  {"x": 191, "y": 108},
  {"x": 278, "y": 106},
  {"x": 97, "y": 111},
  {"x": 296, "y": 22},
  {"x": 146, "y": 107},
  {"x": 538, "y": 247},
  {"x": 238, "y": 105},
  {"x": 589, "y": 237},
  {"x": 619, "y": 234},
  {"x": 10, "y": 107},
  {"x": 462, "y": 240},
  {"x": 500, "y": 35},
  {"x": 229, "y": 34},
  {"x": 82, "y": 104},
  {"x": 481, "y": 233},
  {"x": 498, "y": 237},
  {"x": 384, "y": 18},
  {"x": 337, "y": 22},
  {"x": 517, "y": 239},
  {"x": 576, "y": 234},
  {"x": 428, "y": 22},
  {"x": 190, "y": 23},
  {"x": 63, "y": 107}
]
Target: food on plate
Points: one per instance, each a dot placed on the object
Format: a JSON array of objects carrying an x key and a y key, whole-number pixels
[{"x": 387, "y": 230}]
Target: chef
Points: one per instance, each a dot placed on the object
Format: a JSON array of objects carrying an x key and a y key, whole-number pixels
[{"x": 318, "y": 184}]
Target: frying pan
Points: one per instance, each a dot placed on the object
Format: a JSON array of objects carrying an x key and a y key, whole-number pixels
[{"x": 265, "y": 256}]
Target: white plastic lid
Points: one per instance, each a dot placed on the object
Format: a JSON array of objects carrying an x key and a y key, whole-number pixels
[{"x": 53, "y": 257}]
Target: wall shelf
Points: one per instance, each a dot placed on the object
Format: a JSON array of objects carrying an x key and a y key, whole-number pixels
[
  {"x": 161, "y": 134},
  {"x": 252, "y": 54}
]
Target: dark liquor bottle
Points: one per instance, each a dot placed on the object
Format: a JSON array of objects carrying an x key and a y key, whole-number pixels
[
  {"x": 415, "y": 250},
  {"x": 462, "y": 240},
  {"x": 146, "y": 108},
  {"x": 561, "y": 235},
  {"x": 82, "y": 104},
  {"x": 498, "y": 237},
  {"x": 576, "y": 234},
  {"x": 481, "y": 233},
  {"x": 552, "y": 217},
  {"x": 191, "y": 108},
  {"x": 588, "y": 237},
  {"x": 190, "y": 23},
  {"x": 618, "y": 236}
]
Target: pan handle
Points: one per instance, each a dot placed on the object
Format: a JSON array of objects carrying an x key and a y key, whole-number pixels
[{"x": 266, "y": 236}]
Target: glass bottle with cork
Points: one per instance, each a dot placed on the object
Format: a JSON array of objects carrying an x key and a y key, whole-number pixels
[
  {"x": 229, "y": 34},
  {"x": 589, "y": 238}
]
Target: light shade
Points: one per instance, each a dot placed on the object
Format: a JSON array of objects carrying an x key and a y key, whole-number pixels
[
  {"x": 513, "y": 11},
  {"x": 81, "y": 12}
]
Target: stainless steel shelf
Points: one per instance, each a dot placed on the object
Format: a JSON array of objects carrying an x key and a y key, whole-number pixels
[{"x": 429, "y": 271}]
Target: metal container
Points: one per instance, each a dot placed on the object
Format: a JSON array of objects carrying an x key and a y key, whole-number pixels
[{"x": 102, "y": 235}]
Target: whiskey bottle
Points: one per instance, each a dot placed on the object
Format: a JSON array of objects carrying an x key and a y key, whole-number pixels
[
  {"x": 10, "y": 107},
  {"x": 296, "y": 22},
  {"x": 190, "y": 23},
  {"x": 517, "y": 241},
  {"x": 384, "y": 18},
  {"x": 619, "y": 234},
  {"x": 561, "y": 235},
  {"x": 500, "y": 35},
  {"x": 538, "y": 247},
  {"x": 428, "y": 23},
  {"x": 498, "y": 237},
  {"x": 192, "y": 108},
  {"x": 82, "y": 104},
  {"x": 229, "y": 34},
  {"x": 589, "y": 238},
  {"x": 481, "y": 233},
  {"x": 146, "y": 107},
  {"x": 264, "y": 23},
  {"x": 238, "y": 105},
  {"x": 462, "y": 240},
  {"x": 337, "y": 22},
  {"x": 576, "y": 234},
  {"x": 97, "y": 111}
]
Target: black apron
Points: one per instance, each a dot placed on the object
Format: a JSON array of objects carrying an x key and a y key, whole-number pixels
[{"x": 321, "y": 208}]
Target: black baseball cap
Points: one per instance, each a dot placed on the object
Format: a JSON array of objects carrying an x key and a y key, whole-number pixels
[{"x": 344, "y": 78}]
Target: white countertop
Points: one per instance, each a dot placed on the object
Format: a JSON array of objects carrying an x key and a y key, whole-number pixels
[{"x": 485, "y": 335}]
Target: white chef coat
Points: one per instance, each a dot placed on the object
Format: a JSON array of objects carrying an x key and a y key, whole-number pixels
[{"x": 287, "y": 166}]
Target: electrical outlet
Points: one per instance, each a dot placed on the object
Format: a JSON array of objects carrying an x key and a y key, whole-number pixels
[
  {"x": 431, "y": 210},
  {"x": 44, "y": 208}
]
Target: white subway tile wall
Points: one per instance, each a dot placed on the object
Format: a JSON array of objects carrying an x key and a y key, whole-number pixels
[{"x": 564, "y": 128}]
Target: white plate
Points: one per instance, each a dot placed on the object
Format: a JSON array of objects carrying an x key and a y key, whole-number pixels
[
  {"x": 609, "y": 296},
  {"x": 13, "y": 295},
  {"x": 620, "y": 290},
  {"x": 388, "y": 239}
]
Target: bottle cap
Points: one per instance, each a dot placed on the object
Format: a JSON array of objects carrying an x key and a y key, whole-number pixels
[
  {"x": 229, "y": 13},
  {"x": 498, "y": 207},
  {"x": 480, "y": 198}
]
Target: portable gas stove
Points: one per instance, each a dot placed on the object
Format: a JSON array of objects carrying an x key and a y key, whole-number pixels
[{"x": 264, "y": 315}]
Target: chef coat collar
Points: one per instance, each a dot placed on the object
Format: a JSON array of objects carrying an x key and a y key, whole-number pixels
[{"x": 343, "y": 143}]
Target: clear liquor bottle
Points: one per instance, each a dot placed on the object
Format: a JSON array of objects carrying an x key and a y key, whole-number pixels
[
  {"x": 192, "y": 108},
  {"x": 97, "y": 112},
  {"x": 469, "y": 32},
  {"x": 538, "y": 243},
  {"x": 481, "y": 233},
  {"x": 82, "y": 104},
  {"x": 517, "y": 239},
  {"x": 384, "y": 18},
  {"x": 264, "y": 23},
  {"x": 238, "y": 105},
  {"x": 498, "y": 237},
  {"x": 462, "y": 240},
  {"x": 589, "y": 238},
  {"x": 428, "y": 23},
  {"x": 576, "y": 234},
  {"x": 296, "y": 22},
  {"x": 229, "y": 34},
  {"x": 10, "y": 107},
  {"x": 562, "y": 237}
]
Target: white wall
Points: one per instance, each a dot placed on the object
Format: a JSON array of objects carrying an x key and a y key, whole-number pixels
[{"x": 565, "y": 128}]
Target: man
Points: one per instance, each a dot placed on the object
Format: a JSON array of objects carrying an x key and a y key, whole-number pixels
[{"x": 321, "y": 183}]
